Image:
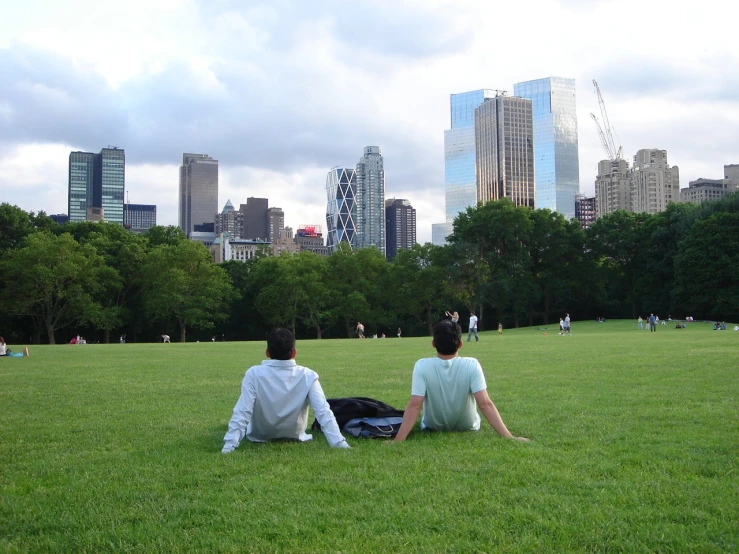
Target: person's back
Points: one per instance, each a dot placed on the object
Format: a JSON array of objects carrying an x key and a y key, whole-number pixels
[
  {"x": 448, "y": 387},
  {"x": 274, "y": 400}
]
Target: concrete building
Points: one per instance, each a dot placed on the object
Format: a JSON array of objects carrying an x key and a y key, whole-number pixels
[
  {"x": 370, "y": 181},
  {"x": 400, "y": 218},
  {"x": 275, "y": 223},
  {"x": 256, "y": 222},
  {"x": 701, "y": 190},
  {"x": 504, "y": 150},
  {"x": 225, "y": 248},
  {"x": 731, "y": 178},
  {"x": 341, "y": 207},
  {"x": 229, "y": 221},
  {"x": 654, "y": 184},
  {"x": 556, "y": 163},
  {"x": 612, "y": 187},
  {"x": 139, "y": 218},
  {"x": 198, "y": 199},
  {"x": 285, "y": 242},
  {"x": 97, "y": 183},
  {"x": 585, "y": 210},
  {"x": 310, "y": 237}
]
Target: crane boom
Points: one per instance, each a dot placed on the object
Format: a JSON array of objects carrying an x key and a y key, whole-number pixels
[
  {"x": 607, "y": 132},
  {"x": 603, "y": 139}
]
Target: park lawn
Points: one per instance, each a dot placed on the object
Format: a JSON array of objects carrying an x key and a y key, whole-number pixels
[{"x": 116, "y": 448}]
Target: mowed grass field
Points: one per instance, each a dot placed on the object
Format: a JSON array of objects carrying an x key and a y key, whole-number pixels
[{"x": 635, "y": 448}]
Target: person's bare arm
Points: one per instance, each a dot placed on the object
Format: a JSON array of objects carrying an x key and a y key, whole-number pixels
[
  {"x": 412, "y": 410},
  {"x": 488, "y": 409}
]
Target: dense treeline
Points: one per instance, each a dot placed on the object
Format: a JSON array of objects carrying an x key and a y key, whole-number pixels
[{"x": 509, "y": 264}]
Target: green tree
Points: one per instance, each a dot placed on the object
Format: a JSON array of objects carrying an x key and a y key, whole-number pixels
[
  {"x": 53, "y": 280},
  {"x": 181, "y": 281},
  {"x": 707, "y": 268}
]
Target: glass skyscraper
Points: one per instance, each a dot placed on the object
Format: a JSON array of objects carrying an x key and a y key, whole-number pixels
[
  {"x": 341, "y": 208},
  {"x": 97, "y": 181},
  {"x": 370, "y": 179},
  {"x": 198, "y": 193},
  {"x": 460, "y": 185},
  {"x": 557, "y": 166}
]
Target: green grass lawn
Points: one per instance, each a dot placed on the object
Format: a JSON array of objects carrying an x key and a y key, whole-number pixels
[{"x": 635, "y": 448}]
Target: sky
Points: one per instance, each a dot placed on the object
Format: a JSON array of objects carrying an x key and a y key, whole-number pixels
[{"x": 280, "y": 91}]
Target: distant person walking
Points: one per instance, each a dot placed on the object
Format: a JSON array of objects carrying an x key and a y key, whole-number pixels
[
  {"x": 639, "y": 323},
  {"x": 360, "y": 330},
  {"x": 500, "y": 328},
  {"x": 398, "y": 332},
  {"x": 568, "y": 325},
  {"x": 652, "y": 323},
  {"x": 473, "y": 328}
]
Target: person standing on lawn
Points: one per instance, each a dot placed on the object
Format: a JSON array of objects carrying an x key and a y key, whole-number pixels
[{"x": 449, "y": 389}]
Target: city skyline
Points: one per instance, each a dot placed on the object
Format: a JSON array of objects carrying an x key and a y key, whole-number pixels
[{"x": 222, "y": 78}]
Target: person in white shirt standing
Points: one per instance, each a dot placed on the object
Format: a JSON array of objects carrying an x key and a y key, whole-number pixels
[
  {"x": 274, "y": 400},
  {"x": 473, "y": 328}
]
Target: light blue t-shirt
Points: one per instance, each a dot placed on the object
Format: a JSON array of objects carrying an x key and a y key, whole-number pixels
[{"x": 448, "y": 387}]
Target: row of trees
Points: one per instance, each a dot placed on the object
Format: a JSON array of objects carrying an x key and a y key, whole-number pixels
[{"x": 509, "y": 264}]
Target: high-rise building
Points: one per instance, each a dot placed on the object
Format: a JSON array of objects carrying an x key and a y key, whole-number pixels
[
  {"x": 585, "y": 210},
  {"x": 654, "y": 184},
  {"x": 504, "y": 150},
  {"x": 400, "y": 219},
  {"x": 731, "y": 178},
  {"x": 139, "y": 218},
  {"x": 371, "y": 199},
  {"x": 96, "y": 185},
  {"x": 556, "y": 162},
  {"x": 198, "y": 199},
  {"x": 310, "y": 237},
  {"x": 612, "y": 187},
  {"x": 256, "y": 222},
  {"x": 460, "y": 183},
  {"x": 275, "y": 224},
  {"x": 341, "y": 208},
  {"x": 229, "y": 221}
]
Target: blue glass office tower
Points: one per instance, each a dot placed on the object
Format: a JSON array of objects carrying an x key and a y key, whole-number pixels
[
  {"x": 341, "y": 208},
  {"x": 460, "y": 186},
  {"x": 556, "y": 160}
]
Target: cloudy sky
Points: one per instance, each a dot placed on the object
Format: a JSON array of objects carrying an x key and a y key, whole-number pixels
[{"x": 279, "y": 91}]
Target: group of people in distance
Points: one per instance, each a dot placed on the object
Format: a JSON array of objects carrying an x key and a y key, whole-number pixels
[{"x": 446, "y": 390}]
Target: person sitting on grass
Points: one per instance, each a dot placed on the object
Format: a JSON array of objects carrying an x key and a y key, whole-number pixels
[
  {"x": 449, "y": 388},
  {"x": 275, "y": 397}
]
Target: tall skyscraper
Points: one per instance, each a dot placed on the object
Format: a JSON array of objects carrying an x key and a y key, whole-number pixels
[
  {"x": 612, "y": 187},
  {"x": 504, "y": 150},
  {"x": 256, "y": 222},
  {"x": 341, "y": 208},
  {"x": 557, "y": 166},
  {"x": 654, "y": 184},
  {"x": 400, "y": 219},
  {"x": 371, "y": 199},
  {"x": 96, "y": 185},
  {"x": 460, "y": 183},
  {"x": 275, "y": 224},
  {"x": 198, "y": 193}
]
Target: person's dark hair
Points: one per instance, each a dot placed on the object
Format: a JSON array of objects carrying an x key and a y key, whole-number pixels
[
  {"x": 280, "y": 344},
  {"x": 2, "y": 340},
  {"x": 447, "y": 336}
]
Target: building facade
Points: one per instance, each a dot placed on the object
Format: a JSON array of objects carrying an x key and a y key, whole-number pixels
[
  {"x": 310, "y": 238},
  {"x": 229, "y": 221},
  {"x": 702, "y": 190},
  {"x": 341, "y": 208},
  {"x": 504, "y": 150},
  {"x": 275, "y": 224},
  {"x": 224, "y": 248},
  {"x": 198, "y": 199},
  {"x": 370, "y": 181},
  {"x": 654, "y": 184},
  {"x": 97, "y": 184},
  {"x": 556, "y": 162},
  {"x": 400, "y": 218},
  {"x": 460, "y": 183},
  {"x": 585, "y": 210},
  {"x": 256, "y": 222},
  {"x": 139, "y": 218},
  {"x": 612, "y": 187}
]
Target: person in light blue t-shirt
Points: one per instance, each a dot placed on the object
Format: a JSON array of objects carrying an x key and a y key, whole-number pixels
[{"x": 449, "y": 389}]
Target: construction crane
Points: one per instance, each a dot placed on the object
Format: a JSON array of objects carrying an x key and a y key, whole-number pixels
[{"x": 606, "y": 132}]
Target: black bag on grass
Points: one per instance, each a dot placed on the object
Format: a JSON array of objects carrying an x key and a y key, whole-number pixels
[{"x": 364, "y": 417}]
